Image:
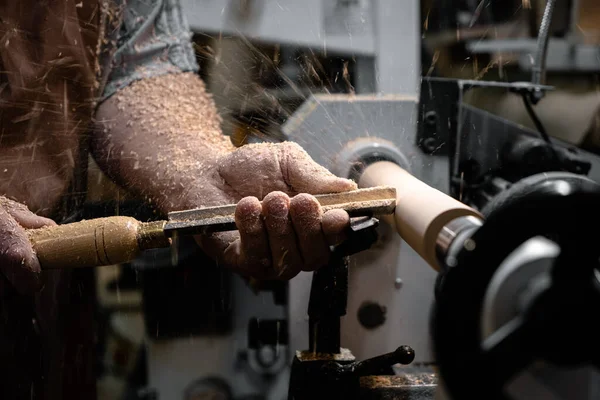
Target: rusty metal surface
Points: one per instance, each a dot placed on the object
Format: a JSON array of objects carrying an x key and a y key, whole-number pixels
[
  {"x": 343, "y": 356},
  {"x": 409, "y": 379},
  {"x": 408, "y": 386}
]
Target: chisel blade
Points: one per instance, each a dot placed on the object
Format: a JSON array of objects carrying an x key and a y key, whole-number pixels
[{"x": 358, "y": 203}]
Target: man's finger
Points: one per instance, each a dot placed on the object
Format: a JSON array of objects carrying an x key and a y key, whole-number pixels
[
  {"x": 23, "y": 215},
  {"x": 306, "y": 217},
  {"x": 253, "y": 236},
  {"x": 304, "y": 175},
  {"x": 19, "y": 264},
  {"x": 285, "y": 255},
  {"x": 29, "y": 220},
  {"x": 225, "y": 248},
  {"x": 335, "y": 225}
]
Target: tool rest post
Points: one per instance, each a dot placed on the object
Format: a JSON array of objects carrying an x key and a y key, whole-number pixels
[{"x": 327, "y": 304}]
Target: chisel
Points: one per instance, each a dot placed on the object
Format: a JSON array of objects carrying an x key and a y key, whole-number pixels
[{"x": 115, "y": 240}]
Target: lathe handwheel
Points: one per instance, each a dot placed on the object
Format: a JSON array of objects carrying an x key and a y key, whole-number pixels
[{"x": 558, "y": 325}]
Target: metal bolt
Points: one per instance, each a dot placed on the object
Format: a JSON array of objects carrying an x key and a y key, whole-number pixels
[
  {"x": 398, "y": 283},
  {"x": 429, "y": 144},
  {"x": 469, "y": 244},
  {"x": 267, "y": 355},
  {"x": 451, "y": 261},
  {"x": 430, "y": 117}
]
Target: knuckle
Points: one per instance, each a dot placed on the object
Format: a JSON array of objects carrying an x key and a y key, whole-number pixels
[
  {"x": 276, "y": 205},
  {"x": 316, "y": 263},
  {"x": 337, "y": 213},
  {"x": 247, "y": 204},
  {"x": 255, "y": 246},
  {"x": 303, "y": 198},
  {"x": 248, "y": 212},
  {"x": 288, "y": 273},
  {"x": 20, "y": 271},
  {"x": 288, "y": 259},
  {"x": 259, "y": 267},
  {"x": 304, "y": 203},
  {"x": 335, "y": 221},
  {"x": 276, "y": 196},
  {"x": 17, "y": 257},
  {"x": 320, "y": 256},
  {"x": 253, "y": 228},
  {"x": 14, "y": 256},
  {"x": 291, "y": 147}
]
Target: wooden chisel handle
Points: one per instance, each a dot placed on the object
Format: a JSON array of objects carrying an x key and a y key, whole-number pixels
[{"x": 96, "y": 242}]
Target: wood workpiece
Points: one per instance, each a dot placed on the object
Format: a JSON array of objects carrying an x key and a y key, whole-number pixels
[{"x": 421, "y": 211}]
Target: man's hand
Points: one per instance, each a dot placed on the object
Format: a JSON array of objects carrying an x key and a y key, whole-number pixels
[
  {"x": 170, "y": 149},
  {"x": 18, "y": 263},
  {"x": 284, "y": 235}
]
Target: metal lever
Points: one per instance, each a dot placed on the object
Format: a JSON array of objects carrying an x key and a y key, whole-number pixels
[{"x": 372, "y": 366}]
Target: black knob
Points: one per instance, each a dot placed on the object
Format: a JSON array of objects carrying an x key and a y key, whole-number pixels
[{"x": 371, "y": 315}]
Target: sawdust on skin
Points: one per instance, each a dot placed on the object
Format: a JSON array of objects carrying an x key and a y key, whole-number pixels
[
  {"x": 282, "y": 167},
  {"x": 275, "y": 209},
  {"x": 162, "y": 138},
  {"x": 334, "y": 224},
  {"x": 306, "y": 215}
]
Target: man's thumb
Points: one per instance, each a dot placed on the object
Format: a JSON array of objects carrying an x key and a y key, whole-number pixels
[{"x": 304, "y": 175}]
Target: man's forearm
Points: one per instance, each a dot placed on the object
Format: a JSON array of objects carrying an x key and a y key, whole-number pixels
[{"x": 159, "y": 138}]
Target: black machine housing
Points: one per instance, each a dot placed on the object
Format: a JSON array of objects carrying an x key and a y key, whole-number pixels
[{"x": 488, "y": 153}]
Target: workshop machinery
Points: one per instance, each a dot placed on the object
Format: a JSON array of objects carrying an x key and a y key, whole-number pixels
[
  {"x": 382, "y": 35},
  {"x": 485, "y": 161},
  {"x": 470, "y": 160},
  {"x": 521, "y": 303},
  {"x": 568, "y": 50},
  {"x": 513, "y": 287},
  {"x": 536, "y": 235},
  {"x": 519, "y": 308}
]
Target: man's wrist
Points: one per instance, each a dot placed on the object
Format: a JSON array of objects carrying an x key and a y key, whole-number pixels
[{"x": 193, "y": 189}]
